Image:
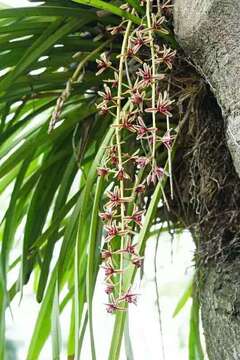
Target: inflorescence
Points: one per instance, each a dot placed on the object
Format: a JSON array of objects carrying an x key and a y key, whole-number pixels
[{"x": 137, "y": 97}]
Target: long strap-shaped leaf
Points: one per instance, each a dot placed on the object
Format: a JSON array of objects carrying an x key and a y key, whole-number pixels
[
  {"x": 49, "y": 37},
  {"x": 55, "y": 326},
  {"x": 82, "y": 240},
  {"x": 3, "y": 304},
  {"x": 65, "y": 257},
  {"x": 7, "y": 241},
  {"x": 43, "y": 11},
  {"x": 11, "y": 219},
  {"x": 194, "y": 342},
  {"x": 60, "y": 202},
  {"x": 42, "y": 139},
  {"x": 38, "y": 211},
  {"x": 99, "y": 4},
  {"x": 57, "y": 221},
  {"x": 184, "y": 298},
  {"x": 91, "y": 259},
  {"x": 43, "y": 323}
]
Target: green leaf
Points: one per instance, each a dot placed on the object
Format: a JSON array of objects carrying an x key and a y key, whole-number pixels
[
  {"x": 47, "y": 39},
  {"x": 41, "y": 11},
  {"x": 91, "y": 259},
  {"x": 65, "y": 186},
  {"x": 127, "y": 341},
  {"x": 23, "y": 27},
  {"x": 81, "y": 210},
  {"x": 71, "y": 342},
  {"x": 7, "y": 242},
  {"x": 194, "y": 343},
  {"x": 135, "y": 4},
  {"x": 37, "y": 108},
  {"x": 102, "y": 5},
  {"x": 55, "y": 327},
  {"x": 80, "y": 264},
  {"x": 83, "y": 330},
  {"x": 58, "y": 221},
  {"x": 11, "y": 223},
  {"x": 3, "y": 304},
  {"x": 43, "y": 323},
  {"x": 8, "y": 178},
  {"x": 83, "y": 231},
  {"x": 38, "y": 211},
  {"x": 42, "y": 139},
  {"x": 184, "y": 298},
  {"x": 37, "y": 172}
]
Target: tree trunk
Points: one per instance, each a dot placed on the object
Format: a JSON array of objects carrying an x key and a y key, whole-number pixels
[
  {"x": 221, "y": 311},
  {"x": 209, "y": 32}
]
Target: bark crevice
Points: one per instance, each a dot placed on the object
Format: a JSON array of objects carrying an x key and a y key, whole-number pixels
[
  {"x": 209, "y": 33},
  {"x": 206, "y": 170}
]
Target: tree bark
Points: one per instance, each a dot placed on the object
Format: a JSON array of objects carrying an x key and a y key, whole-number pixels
[
  {"x": 221, "y": 312},
  {"x": 209, "y": 33}
]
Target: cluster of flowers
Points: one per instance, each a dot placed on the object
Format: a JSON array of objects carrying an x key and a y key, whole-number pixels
[{"x": 137, "y": 108}]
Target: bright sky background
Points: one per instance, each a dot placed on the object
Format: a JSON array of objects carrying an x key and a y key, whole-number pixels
[{"x": 16, "y": 3}]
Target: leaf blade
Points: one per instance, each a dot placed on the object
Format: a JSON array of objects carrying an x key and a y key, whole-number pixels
[
  {"x": 102, "y": 5},
  {"x": 91, "y": 258},
  {"x": 183, "y": 299}
]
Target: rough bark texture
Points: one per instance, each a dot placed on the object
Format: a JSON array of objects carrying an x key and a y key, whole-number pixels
[
  {"x": 209, "y": 32},
  {"x": 221, "y": 312}
]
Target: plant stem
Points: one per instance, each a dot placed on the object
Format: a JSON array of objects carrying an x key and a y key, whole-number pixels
[
  {"x": 149, "y": 24},
  {"x": 75, "y": 78},
  {"x": 118, "y": 137},
  {"x": 170, "y": 161}
]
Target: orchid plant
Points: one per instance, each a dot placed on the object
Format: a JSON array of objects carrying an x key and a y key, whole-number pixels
[{"x": 92, "y": 101}]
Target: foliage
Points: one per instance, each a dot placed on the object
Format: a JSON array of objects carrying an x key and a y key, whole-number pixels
[{"x": 52, "y": 143}]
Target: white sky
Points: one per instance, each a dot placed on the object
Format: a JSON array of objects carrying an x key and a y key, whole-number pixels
[{"x": 17, "y": 3}]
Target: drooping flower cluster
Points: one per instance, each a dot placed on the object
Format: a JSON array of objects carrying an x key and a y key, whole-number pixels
[{"x": 137, "y": 97}]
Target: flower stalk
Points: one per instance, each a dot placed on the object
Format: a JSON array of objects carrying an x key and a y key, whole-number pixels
[
  {"x": 118, "y": 135},
  {"x": 149, "y": 23}
]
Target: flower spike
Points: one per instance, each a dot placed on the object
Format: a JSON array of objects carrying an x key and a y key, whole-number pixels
[{"x": 137, "y": 102}]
